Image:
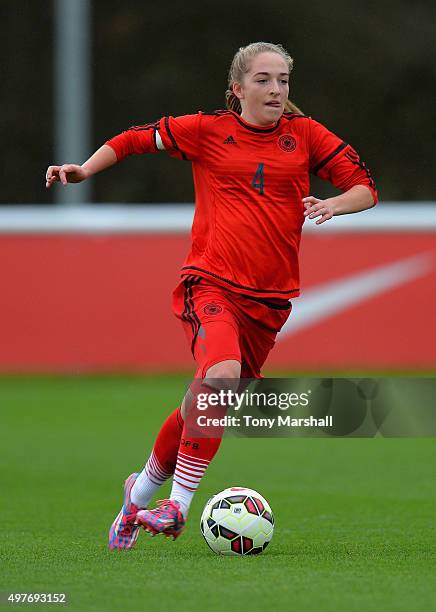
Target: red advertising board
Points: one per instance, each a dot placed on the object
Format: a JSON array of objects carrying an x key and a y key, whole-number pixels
[{"x": 95, "y": 303}]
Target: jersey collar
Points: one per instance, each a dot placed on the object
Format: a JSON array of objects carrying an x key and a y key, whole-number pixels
[{"x": 267, "y": 129}]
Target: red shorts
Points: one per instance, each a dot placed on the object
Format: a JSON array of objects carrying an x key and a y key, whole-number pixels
[{"x": 221, "y": 324}]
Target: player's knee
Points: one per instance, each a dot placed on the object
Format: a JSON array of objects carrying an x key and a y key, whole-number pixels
[
  {"x": 224, "y": 375},
  {"x": 228, "y": 372}
]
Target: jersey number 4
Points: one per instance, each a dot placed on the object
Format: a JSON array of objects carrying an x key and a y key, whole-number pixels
[{"x": 257, "y": 182}]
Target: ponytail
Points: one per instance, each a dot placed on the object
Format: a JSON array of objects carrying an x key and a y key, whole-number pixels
[
  {"x": 290, "y": 107},
  {"x": 232, "y": 102}
]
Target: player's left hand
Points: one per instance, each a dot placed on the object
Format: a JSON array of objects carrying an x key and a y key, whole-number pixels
[{"x": 318, "y": 208}]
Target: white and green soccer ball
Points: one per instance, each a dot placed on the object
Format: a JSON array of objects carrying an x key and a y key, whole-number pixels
[{"x": 237, "y": 521}]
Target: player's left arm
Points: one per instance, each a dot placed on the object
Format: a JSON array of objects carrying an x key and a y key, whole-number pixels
[
  {"x": 333, "y": 160},
  {"x": 354, "y": 200}
]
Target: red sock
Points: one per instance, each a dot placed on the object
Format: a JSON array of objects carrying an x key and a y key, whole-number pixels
[
  {"x": 167, "y": 442},
  {"x": 198, "y": 445}
]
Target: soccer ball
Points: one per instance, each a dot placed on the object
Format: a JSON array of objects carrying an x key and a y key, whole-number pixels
[{"x": 237, "y": 521}]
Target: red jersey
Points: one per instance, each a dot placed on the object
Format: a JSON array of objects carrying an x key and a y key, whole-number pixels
[{"x": 249, "y": 184}]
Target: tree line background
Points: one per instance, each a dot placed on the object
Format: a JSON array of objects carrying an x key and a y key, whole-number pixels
[{"x": 366, "y": 70}]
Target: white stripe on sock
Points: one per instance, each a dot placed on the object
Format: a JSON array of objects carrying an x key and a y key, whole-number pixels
[
  {"x": 154, "y": 467},
  {"x": 193, "y": 459},
  {"x": 198, "y": 473},
  {"x": 193, "y": 482},
  {"x": 188, "y": 468},
  {"x": 148, "y": 482},
  {"x": 187, "y": 475}
]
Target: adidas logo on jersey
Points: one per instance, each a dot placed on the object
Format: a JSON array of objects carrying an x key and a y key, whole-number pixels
[{"x": 230, "y": 140}]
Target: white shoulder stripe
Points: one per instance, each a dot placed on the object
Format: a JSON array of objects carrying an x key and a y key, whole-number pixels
[{"x": 159, "y": 143}]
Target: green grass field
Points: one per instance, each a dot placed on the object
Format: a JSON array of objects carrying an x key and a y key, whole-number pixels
[{"x": 355, "y": 518}]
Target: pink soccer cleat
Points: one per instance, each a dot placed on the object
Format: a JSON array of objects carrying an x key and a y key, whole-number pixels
[
  {"x": 166, "y": 518},
  {"x": 124, "y": 531}
]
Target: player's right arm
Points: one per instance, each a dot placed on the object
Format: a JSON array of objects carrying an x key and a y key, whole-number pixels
[
  {"x": 74, "y": 173},
  {"x": 176, "y": 135}
]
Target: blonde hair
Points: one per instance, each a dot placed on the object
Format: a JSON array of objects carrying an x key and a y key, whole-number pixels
[{"x": 241, "y": 65}]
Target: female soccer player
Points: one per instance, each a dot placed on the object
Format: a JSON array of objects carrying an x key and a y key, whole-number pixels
[{"x": 251, "y": 166}]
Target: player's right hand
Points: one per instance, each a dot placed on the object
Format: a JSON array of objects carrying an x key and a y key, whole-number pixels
[{"x": 68, "y": 173}]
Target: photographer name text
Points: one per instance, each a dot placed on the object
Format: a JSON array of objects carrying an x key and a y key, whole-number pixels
[{"x": 267, "y": 422}]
